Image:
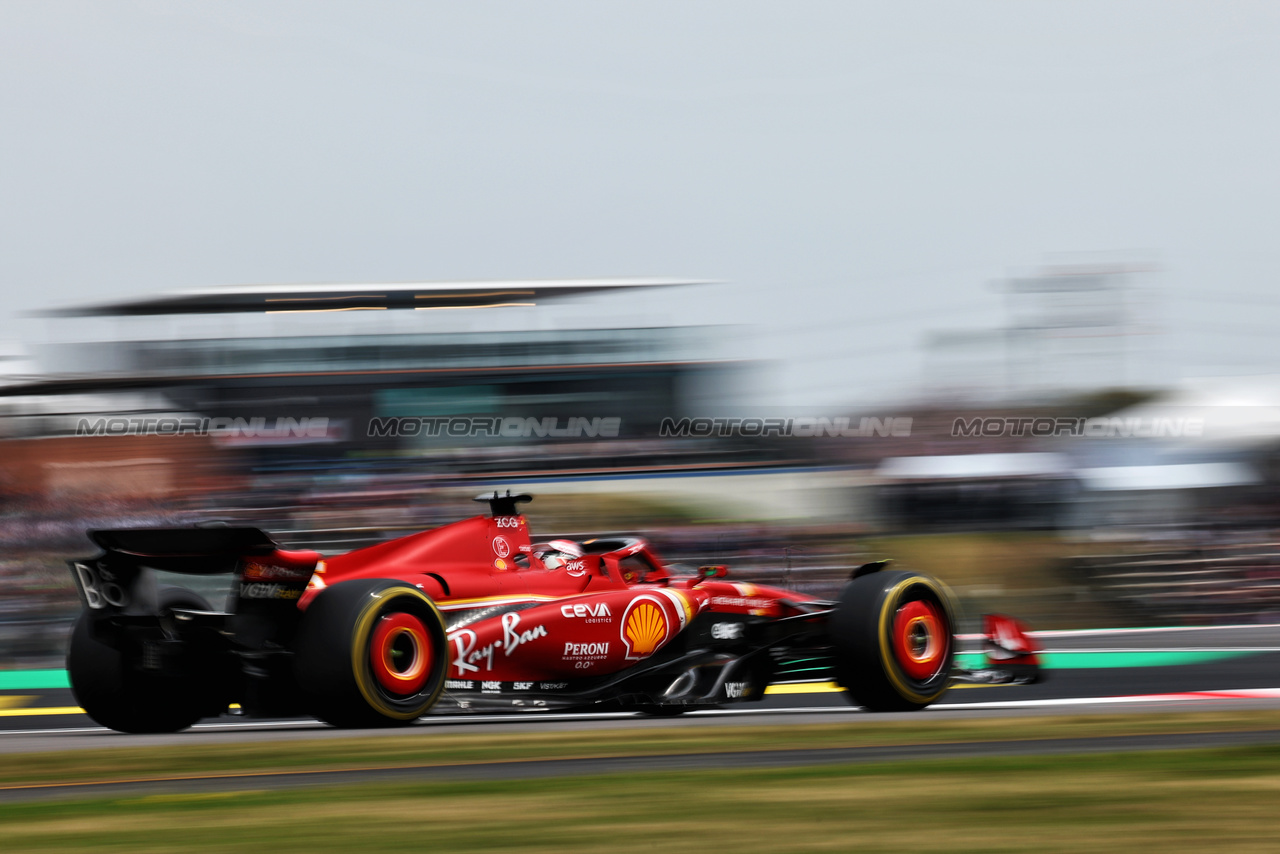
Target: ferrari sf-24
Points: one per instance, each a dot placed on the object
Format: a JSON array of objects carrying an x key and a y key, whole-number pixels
[{"x": 477, "y": 615}]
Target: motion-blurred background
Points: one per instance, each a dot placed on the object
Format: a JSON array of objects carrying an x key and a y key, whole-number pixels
[{"x": 988, "y": 289}]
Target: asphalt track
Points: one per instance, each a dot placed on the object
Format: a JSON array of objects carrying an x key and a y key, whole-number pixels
[{"x": 1126, "y": 671}]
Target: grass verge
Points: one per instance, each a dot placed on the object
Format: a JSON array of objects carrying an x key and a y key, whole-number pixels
[
  {"x": 433, "y": 746},
  {"x": 1171, "y": 802}
]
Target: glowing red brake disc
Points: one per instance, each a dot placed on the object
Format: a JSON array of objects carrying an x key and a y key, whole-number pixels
[
  {"x": 400, "y": 653},
  {"x": 919, "y": 637}
]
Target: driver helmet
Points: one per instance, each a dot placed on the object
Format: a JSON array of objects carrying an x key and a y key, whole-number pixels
[{"x": 562, "y": 551}]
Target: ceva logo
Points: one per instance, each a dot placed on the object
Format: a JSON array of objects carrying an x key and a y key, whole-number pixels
[
  {"x": 644, "y": 627},
  {"x": 586, "y": 609}
]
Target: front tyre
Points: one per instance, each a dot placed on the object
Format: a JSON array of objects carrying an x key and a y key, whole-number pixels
[
  {"x": 894, "y": 639},
  {"x": 371, "y": 653}
]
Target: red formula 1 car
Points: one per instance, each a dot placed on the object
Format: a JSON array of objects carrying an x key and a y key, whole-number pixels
[{"x": 476, "y": 615}]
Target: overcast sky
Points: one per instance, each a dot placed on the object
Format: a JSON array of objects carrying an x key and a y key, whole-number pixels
[{"x": 857, "y": 173}]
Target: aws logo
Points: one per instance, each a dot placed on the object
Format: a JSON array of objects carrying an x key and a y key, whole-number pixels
[{"x": 644, "y": 627}]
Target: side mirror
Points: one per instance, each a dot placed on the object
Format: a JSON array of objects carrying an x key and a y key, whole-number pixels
[{"x": 718, "y": 570}]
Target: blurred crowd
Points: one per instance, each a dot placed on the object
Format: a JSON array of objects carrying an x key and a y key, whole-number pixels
[
  {"x": 1219, "y": 563},
  {"x": 1209, "y": 574},
  {"x": 38, "y": 601}
]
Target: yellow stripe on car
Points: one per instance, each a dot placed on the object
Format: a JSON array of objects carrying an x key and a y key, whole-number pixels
[{"x": 804, "y": 688}]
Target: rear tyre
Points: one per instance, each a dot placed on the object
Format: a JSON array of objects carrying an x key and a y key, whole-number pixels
[
  {"x": 371, "y": 653},
  {"x": 110, "y": 683},
  {"x": 893, "y": 633}
]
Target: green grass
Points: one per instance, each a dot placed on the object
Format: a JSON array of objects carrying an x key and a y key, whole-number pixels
[
  {"x": 1171, "y": 802},
  {"x": 433, "y": 746}
]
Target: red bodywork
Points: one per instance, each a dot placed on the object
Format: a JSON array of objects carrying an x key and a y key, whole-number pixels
[
  {"x": 476, "y": 613},
  {"x": 598, "y": 614}
]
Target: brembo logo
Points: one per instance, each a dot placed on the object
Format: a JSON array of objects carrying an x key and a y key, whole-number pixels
[{"x": 644, "y": 627}]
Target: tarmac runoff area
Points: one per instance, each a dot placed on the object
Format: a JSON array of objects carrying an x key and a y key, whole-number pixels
[{"x": 1129, "y": 672}]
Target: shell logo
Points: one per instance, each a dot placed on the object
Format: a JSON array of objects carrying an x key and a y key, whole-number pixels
[{"x": 644, "y": 627}]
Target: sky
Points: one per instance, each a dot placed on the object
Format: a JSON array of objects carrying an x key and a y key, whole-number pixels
[{"x": 857, "y": 175}]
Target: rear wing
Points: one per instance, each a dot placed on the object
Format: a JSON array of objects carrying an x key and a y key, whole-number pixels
[
  {"x": 183, "y": 549},
  {"x": 121, "y": 580}
]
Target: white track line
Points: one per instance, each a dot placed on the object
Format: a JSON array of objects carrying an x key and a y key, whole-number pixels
[
  {"x": 463, "y": 719},
  {"x": 1189, "y": 696},
  {"x": 1144, "y": 649},
  {"x": 1074, "y": 633}
]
